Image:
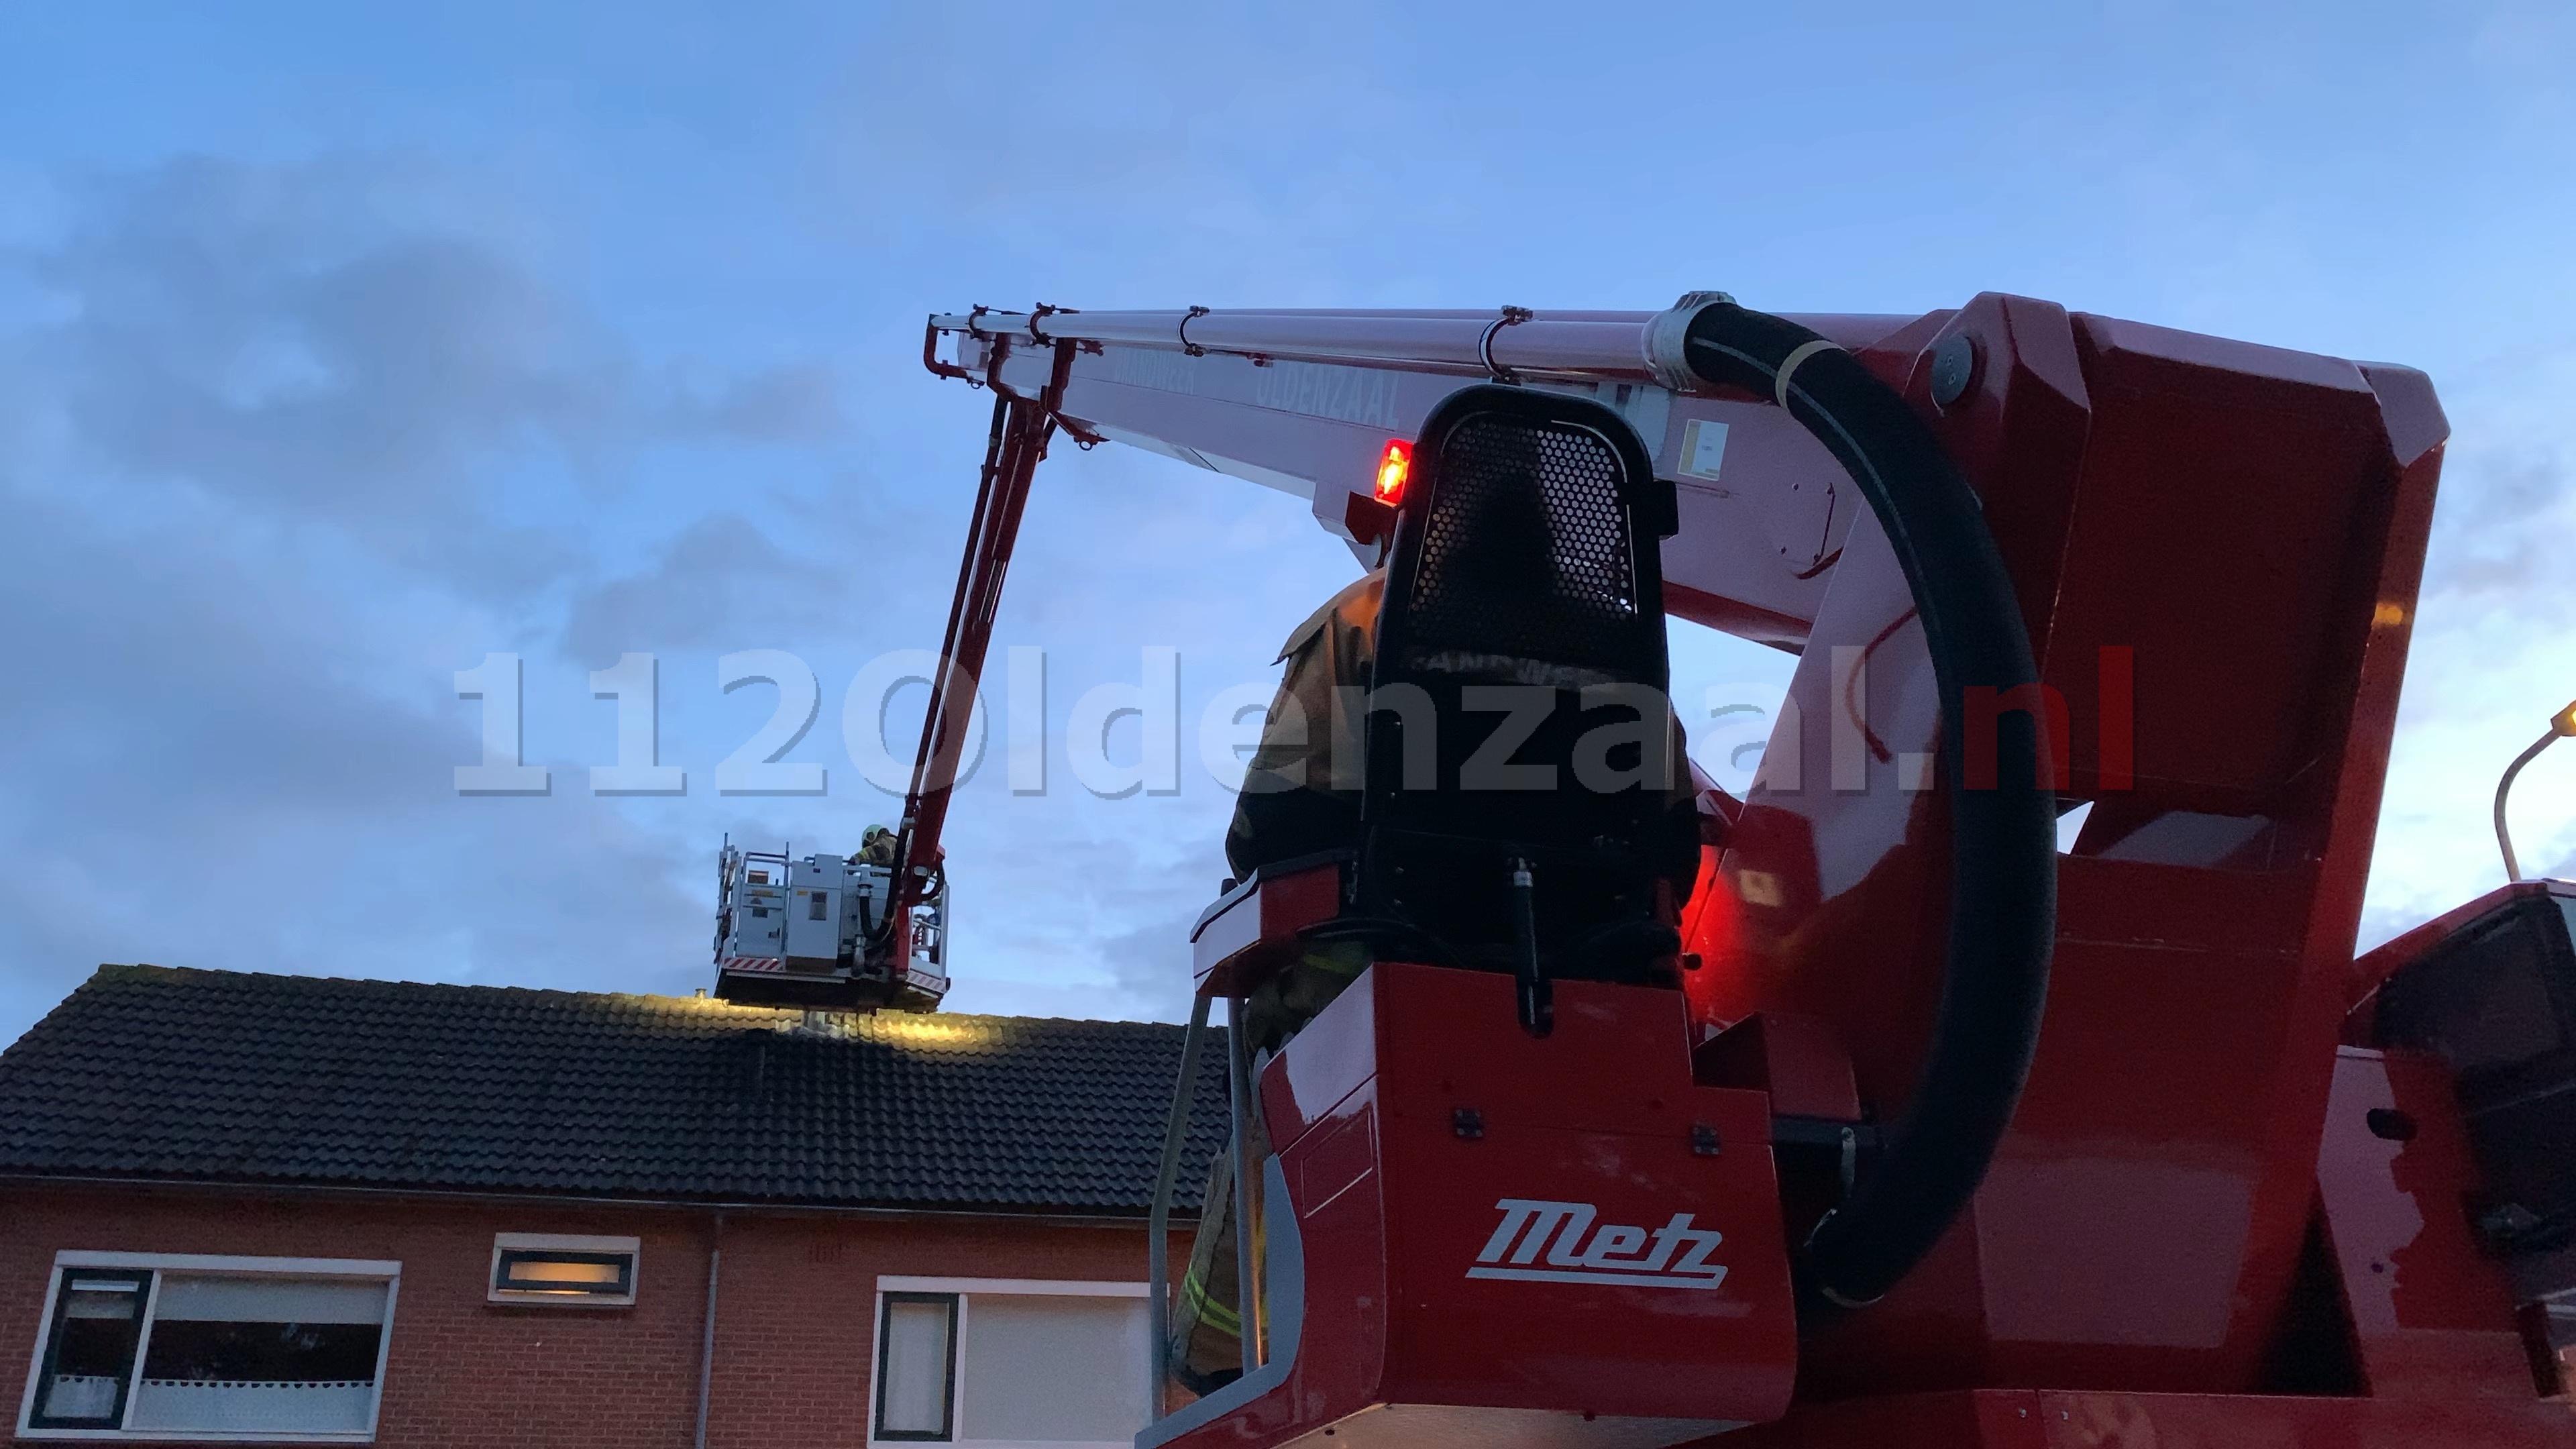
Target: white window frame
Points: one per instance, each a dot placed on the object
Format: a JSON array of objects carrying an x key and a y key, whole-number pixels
[
  {"x": 633, "y": 1248},
  {"x": 69, "y": 1261},
  {"x": 966, "y": 1290}
]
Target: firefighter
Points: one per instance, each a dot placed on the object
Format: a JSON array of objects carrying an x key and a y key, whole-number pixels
[
  {"x": 876, "y": 847},
  {"x": 1301, "y": 791},
  {"x": 1300, "y": 795},
  {"x": 1207, "y": 1323}
]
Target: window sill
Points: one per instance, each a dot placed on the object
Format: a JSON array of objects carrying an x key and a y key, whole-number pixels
[
  {"x": 218, "y": 1436},
  {"x": 1001, "y": 1444}
]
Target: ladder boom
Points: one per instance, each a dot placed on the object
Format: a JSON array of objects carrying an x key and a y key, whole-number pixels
[{"x": 1304, "y": 401}]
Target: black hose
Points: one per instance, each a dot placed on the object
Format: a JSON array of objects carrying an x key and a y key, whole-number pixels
[{"x": 2003, "y": 888}]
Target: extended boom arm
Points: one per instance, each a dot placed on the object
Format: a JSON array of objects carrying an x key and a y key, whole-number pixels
[{"x": 1306, "y": 401}]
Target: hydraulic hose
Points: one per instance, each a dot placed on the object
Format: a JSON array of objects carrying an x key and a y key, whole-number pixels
[{"x": 2003, "y": 889}]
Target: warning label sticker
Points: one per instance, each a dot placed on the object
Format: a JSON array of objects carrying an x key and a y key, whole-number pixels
[{"x": 1703, "y": 448}]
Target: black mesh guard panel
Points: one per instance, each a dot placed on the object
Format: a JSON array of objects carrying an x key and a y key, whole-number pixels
[
  {"x": 1526, "y": 573},
  {"x": 1518, "y": 559}
]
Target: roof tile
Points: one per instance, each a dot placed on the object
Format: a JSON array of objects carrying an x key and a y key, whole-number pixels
[{"x": 158, "y": 1071}]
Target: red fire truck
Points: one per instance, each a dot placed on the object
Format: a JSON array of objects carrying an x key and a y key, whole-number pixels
[{"x": 1912, "y": 1128}]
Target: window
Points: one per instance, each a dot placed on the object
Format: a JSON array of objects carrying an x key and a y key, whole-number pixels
[
  {"x": 562, "y": 1271},
  {"x": 978, "y": 1361},
  {"x": 159, "y": 1346},
  {"x": 916, "y": 1365}
]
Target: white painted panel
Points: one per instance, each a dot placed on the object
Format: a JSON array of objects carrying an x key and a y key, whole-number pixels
[
  {"x": 1052, "y": 1369},
  {"x": 218, "y": 1406}
]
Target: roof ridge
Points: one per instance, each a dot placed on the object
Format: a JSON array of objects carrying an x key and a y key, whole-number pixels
[{"x": 145, "y": 970}]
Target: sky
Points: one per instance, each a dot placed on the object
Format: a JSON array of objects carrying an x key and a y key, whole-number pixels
[{"x": 342, "y": 347}]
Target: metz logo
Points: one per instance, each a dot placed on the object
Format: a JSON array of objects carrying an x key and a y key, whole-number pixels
[{"x": 1556, "y": 1242}]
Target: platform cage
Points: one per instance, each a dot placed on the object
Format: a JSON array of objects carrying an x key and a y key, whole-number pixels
[{"x": 815, "y": 933}]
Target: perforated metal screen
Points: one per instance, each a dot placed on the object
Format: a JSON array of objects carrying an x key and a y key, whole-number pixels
[{"x": 1524, "y": 551}]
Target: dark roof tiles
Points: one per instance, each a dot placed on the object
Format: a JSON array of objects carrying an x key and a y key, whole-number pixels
[{"x": 149, "y": 1071}]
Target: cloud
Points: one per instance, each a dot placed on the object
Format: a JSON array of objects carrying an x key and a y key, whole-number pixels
[
  {"x": 208, "y": 767},
  {"x": 718, "y": 574},
  {"x": 282, "y": 339},
  {"x": 2499, "y": 536},
  {"x": 334, "y": 432},
  {"x": 290, "y": 442},
  {"x": 289, "y": 445},
  {"x": 790, "y": 404},
  {"x": 283, "y": 446},
  {"x": 2493, "y": 652},
  {"x": 1097, "y": 922},
  {"x": 362, "y": 348}
]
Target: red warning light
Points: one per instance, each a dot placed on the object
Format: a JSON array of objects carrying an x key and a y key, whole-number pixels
[{"x": 1393, "y": 467}]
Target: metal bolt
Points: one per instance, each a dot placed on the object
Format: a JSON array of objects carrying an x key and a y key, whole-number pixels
[{"x": 1954, "y": 368}]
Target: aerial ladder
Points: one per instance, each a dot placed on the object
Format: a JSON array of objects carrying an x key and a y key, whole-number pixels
[{"x": 1917, "y": 1130}]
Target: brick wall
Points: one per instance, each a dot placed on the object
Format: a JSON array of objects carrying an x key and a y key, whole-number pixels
[{"x": 793, "y": 1323}]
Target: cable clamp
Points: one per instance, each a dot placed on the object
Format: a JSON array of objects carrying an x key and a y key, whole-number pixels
[
  {"x": 1666, "y": 340},
  {"x": 1789, "y": 365},
  {"x": 1511, "y": 317}
]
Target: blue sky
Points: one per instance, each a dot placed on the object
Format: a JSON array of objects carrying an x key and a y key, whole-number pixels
[{"x": 341, "y": 346}]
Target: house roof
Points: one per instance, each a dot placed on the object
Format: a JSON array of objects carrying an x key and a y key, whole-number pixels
[{"x": 149, "y": 1071}]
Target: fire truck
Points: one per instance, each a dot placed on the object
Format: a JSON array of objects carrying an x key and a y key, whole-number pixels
[{"x": 1908, "y": 1127}]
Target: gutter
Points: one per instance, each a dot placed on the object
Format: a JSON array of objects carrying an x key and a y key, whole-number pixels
[{"x": 782, "y": 1208}]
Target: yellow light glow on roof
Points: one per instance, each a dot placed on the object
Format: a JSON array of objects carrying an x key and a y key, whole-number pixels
[{"x": 909, "y": 1030}]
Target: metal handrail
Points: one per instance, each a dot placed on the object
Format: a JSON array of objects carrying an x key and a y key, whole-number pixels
[
  {"x": 1158, "y": 1247},
  {"x": 1238, "y": 1060}
]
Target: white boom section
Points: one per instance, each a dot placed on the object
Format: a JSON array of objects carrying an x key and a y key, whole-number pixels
[{"x": 1305, "y": 402}]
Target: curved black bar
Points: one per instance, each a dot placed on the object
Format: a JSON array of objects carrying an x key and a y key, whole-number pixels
[{"x": 2003, "y": 892}]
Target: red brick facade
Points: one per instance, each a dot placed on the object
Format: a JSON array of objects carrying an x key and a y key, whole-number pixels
[{"x": 794, "y": 1316}]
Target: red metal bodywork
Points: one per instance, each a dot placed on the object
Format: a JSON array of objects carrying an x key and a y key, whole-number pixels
[
  {"x": 1252, "y": 932},
  {"x": 2431, "y": 1317},
  {"x": 1405, "y": 1223},
  {"x": 2216, "y": 547},
  {"x": 2247, "y": 526},
  {"x": 2044, "y": 1419}
]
